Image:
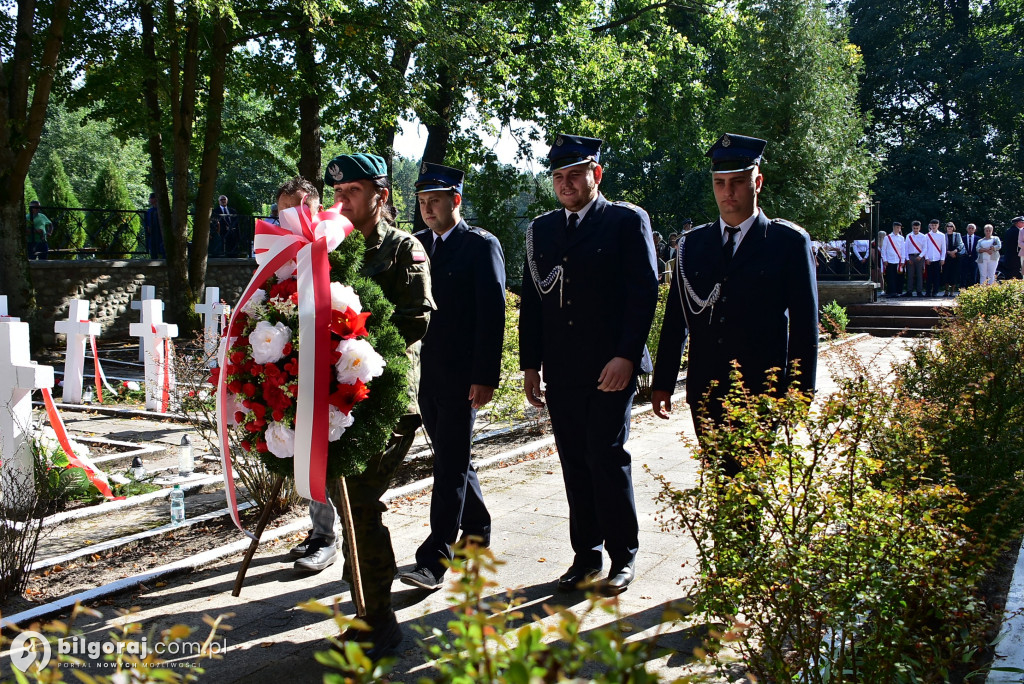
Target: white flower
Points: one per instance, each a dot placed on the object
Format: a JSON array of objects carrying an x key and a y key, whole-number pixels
[
  {"x": 344, "y": 297},
  {"x": 358, "y": 361},
  {"x": 287, "y": 271},
  {"x": 268, "y": 341},
  {"x": 255, "y": 302},
  {"x": 281, "y": 440},
  {"x": 132, "y": 385},
  {"x": 339, "y": 422}
]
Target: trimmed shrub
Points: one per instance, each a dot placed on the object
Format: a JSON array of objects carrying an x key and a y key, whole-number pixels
[
  {"x": 114, "y": 233},
  {"x": 30, "y": 192},
  {"x": 1004, "y": 297},
  {"x": 55, "y": 191},
  {"x": 834, "y": 319}
]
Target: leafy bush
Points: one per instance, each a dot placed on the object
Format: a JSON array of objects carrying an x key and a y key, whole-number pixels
[
  {"x": 841, "y": 544},
  {"x": 834, "y": 319},
  {"x": 115, "y": 233},
  {"x": 132, "y": 657},
  {"x": 969, "y": 382},
  {"x": 508, "y": 404},
  {"x": 643, "y": 390},
  {"x": 485, "y": 641},
  {"x": 1000, "y": 299}
]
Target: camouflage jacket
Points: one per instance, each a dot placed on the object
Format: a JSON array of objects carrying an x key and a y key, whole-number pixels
[{"x": 396, "y": 261}]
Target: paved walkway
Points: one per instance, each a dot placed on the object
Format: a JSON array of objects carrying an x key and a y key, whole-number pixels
[{"x": 272, "y": 640}]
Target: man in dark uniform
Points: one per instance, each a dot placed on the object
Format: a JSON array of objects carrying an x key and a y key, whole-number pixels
[
  {"x": 1009, "y": 258},
  {"x": 969, "y": 269},
  {"x": 744, "y": 289},
  {"x": 460, "y": 364},
  {"x": 589, "y": 294},
  {"x": 394, "y": 260}
]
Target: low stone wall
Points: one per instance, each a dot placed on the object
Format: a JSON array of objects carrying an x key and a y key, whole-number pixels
[
  {"x": 846, "y": 293},
  {"x": 111, "y": 286}
]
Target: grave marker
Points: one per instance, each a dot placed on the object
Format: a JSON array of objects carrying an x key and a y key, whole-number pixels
[
  {"x": 78, "y": 329},
  {"x": 148, "y": 292},
  {"x": 213, "y": 311},
  {"x": 152, "y": 332},
  {"x": 19, "y": 375},
  {"x": 3, "y": 311}
]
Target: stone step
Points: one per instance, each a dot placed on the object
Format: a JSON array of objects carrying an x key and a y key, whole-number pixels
[
  {"x": 889, "y": 331},
  {"x": 881, "y": 321}
]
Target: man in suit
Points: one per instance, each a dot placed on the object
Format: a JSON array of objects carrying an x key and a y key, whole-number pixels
[
  {"x": 969, "y": 268},
  {"x": 589, "y": 294},
  {"x": 1011, "y": 256},
  {"x": 744, "y": 290},
  {"x": 955, "y": 252},
  {"x": 1018, "y": 223},
  {"x": 227, "y": 226},
  {"x": 460, "y": 365}
]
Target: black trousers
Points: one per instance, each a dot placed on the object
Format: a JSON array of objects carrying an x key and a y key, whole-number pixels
[
  {"x": 456, "y": 501},
  {"x": 893, "y": 279},
  {"x": 591, "y": 428},
  {"x": 969, "y": 274},
  {"x": 933, "y": 277},
  {"x": 951, "y": 273}
]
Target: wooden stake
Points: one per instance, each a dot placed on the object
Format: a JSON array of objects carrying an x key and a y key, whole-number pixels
[
  {"x": 353, "y": 554},
  {"x": 264, "y": 519}
]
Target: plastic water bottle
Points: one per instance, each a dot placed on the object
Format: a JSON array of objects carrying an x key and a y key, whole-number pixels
[{"x": 177, "y": 506}]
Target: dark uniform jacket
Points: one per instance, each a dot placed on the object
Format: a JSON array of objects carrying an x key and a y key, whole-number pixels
[
  {"x": 463, "y": 344},
  {"x": 766, "y": 316},
  {"x": 395, "y": 260},
  {"x": 604, "y": 303}
]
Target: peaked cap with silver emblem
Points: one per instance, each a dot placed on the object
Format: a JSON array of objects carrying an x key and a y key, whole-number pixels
[
  {"x": 570, "y": 150},
  {"x": 733, "y": 153},
  {"x": 436, "y": 177}
]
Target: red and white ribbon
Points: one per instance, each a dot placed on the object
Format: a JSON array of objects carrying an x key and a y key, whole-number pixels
[
  {"x": 95, "y": 475},
  {"x": 307, "y": 240},
  {"x": 99, "y": 377}
]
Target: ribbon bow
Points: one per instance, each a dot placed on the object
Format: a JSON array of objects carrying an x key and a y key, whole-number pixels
[{"x": 307, "y": 240}]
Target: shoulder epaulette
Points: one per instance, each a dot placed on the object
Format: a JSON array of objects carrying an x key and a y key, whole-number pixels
[{"x": 787, "y": 224}]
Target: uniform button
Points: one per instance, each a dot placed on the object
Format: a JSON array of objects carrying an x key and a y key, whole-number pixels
[
  {"x": 570, "y": 323},
  {"x": 721, "y": 319},
  {"x": 565, "y": 260},
  {"x": 566, "y": 281},
  {"x": 569, "y": 302},
  {"x": 721, "y": 300},
  {"x": 721, "y": 341}
]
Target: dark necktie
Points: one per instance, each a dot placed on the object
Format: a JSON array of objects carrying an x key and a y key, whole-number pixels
[
  {"x": 570, "y": 227},
  {"x": 437, "y": 247},
  {"x": 730, "y": 245}
]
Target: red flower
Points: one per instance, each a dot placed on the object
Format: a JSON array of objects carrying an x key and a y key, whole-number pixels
[
  {"x": 246, "y": 445},
  {"x": 235, "y": 386},
  {"x": 287, "y": 349},
  {"x": 275, "y": 397},
  {"x": 284, "y": 289},
  {"x": 292, "y": 367},
  {"x": 239, "y": 417},
  {"x": 349, "y": 324},
  {"x": 348, "y": 396},
  {"x": 214, "y": 375},
  {"x": 249, "y": 389},
  {"x": 262, "y": 446},
  {"x": 238, "y": 327}
]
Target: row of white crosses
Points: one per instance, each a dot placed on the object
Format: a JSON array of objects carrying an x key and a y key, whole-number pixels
[{"x": 19, "y": 376}]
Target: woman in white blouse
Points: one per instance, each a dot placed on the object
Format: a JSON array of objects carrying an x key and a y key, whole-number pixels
[{"x": 988, "y": 255}]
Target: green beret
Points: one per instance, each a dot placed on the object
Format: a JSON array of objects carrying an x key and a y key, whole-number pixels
[{"x": 352, "y": 167}]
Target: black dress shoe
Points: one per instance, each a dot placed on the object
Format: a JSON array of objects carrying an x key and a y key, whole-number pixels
[
  {"x": 616, "y": 582},
  {"x": 383, "y": 639},
  {"x": 576, "y": 576}
]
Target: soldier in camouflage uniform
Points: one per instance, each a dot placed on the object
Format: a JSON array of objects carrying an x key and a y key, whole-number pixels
[{"x": 395, "y": 260}]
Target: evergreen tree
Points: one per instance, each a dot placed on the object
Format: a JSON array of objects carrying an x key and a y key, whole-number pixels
[
  {"x": 57, "y": 195},
  {"x": 794, "y": 83},
  {"x": 30, "y": 192},
  {"x": 113, "y": 231}
]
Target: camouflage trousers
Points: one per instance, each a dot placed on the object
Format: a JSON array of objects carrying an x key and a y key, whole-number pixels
[{"x": 377, "y": 566}]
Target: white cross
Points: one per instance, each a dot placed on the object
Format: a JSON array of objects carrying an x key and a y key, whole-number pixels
[
  {"x": 148, "y": 292},
  {"x": 213, "y": 312},
  {"x": 3, "y": 311},
  {"x": 78, "y": 329},
  {"x": 152, "y": 331},
  {"x": 19, "y": 375}
]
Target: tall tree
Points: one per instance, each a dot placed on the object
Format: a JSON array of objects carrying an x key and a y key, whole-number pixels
[
  {"x": 794, "y": 83},
  {"x": 942, "y": 80},
  {"x": 28, "y": 64}
]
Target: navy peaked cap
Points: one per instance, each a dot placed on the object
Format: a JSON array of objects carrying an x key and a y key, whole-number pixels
[
  {"x": 569, "y": 150},
  {"x": 735, "y": 153},
  {"x": 436, "y": 177}
]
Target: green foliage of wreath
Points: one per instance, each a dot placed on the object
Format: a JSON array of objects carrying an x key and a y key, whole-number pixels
[{"x": 377, "y": 415}]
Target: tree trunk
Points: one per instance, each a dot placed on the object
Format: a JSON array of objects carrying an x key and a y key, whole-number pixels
[
  {"x": 154, "y": 122},
  {"x": 310, "y": 162},
  {"x": 183, "y": 103},
  {"x": 439, "y": 130},
  {"x": 219, "y": 51},
  {"x": 385, "y": 137},
  {"x": 21, "y": 124}
]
